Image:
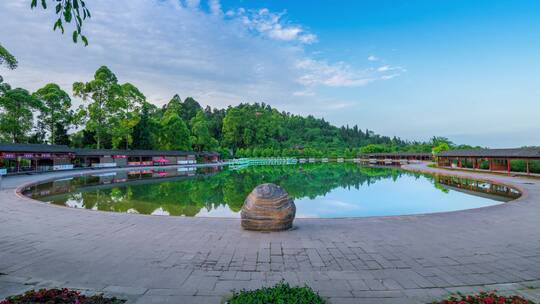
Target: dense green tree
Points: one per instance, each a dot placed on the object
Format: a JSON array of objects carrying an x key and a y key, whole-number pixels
[
  {"x": 61, "y": 136},
  {"x": 103, "y": 94},
  {"x": 83, "y": 139},
  {"x": 17, "y": 107},
  {"x": 117, "y": 115},
  {"x": 38, "y": 135},
  {"x": 190, "y": 108},
  {"x": 4, "y": 87},
  {"x": 201, "y": 138},
  {"x": 176, "y": 103},
  {"x": 125, "y": 116},
  {"x": 441, "y": 147},
  {"x": 437, "y": 140},
  {"x": 174, "y": 133},
  {"x": 56, "y": 111},
  {"x": 374, "y": 148},
  {"x": 145, "y": 131},
  {"x": 215, "y": 121},
  {"x": 7, "y": 58},
  {"x": 233, "y": 136}
]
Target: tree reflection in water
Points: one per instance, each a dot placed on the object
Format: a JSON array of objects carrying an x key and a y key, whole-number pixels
[{"x": 188, "y": 192}]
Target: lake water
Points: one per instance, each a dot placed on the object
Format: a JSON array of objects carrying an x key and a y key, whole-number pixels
[{"x": 327, "y": 190}]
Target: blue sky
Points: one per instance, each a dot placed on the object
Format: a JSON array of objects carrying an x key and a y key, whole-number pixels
[{"x": 468, "y": 70}]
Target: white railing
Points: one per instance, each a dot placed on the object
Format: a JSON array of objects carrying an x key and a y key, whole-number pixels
[{"x": 104, "y": 165}]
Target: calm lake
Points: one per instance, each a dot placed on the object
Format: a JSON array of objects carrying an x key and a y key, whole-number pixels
[{"x": 327, "y": 190}]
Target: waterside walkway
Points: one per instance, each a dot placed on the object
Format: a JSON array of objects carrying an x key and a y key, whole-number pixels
[{"x": 152, "y": 259}]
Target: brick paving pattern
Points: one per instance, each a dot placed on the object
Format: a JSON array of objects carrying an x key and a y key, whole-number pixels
[{"x": 151, "y": 259}]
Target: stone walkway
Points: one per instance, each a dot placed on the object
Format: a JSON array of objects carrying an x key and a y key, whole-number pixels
[{"x": 151, "y": 259}]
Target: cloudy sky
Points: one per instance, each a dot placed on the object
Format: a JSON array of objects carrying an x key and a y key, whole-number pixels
[{"x": 468, "y": 70}]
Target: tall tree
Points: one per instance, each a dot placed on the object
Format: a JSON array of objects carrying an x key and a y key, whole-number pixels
[
  {"x": 174, "y": 133},
  {"x": 144, "y": 130},
  {"x": 201, "y": 138},
  {"x": 215, "y": 121},
  {"x": 56, "y": 112},
  {"x": 125, "y": 115},
  {"x": 190, "y": 108},
  {"x": 175, "y": 102},
  {"x": 61, "y": 136},
  {"x": 102, "y": 93},
  {"x": 16, "y": 114},
  {"x": 232, "y": 129}
]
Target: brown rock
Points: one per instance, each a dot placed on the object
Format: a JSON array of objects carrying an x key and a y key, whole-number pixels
[{"x": 268, "y": 208}]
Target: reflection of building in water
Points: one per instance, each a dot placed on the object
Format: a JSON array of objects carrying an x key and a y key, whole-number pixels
[
  {"x": 392, "y": 158},
  {"x": 108, "y": 179},
  {"x": 182, "y": 192},
  {"x": 479, "y": 188},
  {"x": 24, "y": 158}
]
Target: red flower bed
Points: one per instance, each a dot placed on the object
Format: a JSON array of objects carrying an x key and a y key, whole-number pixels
[
  {"x": 59, "y": 296},
  {"x": 484, "y": 298}
]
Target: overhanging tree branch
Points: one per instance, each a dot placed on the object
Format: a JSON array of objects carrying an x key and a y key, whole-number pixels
[
  {"x": 68, "y": 11},
  {"x": 7, "y": 58}
]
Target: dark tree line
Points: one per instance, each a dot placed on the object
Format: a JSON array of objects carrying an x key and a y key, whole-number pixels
[{"x": 117, "y": 115}]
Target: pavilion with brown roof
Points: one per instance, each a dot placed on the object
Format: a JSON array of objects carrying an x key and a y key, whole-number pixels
[{"x": 502, "y": 160}]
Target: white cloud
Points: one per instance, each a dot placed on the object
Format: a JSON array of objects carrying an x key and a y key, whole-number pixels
[
  {"x": 192, "y": 3},
  {"x": 272, "y": 25},
  {"x": 372, "y": 58},
  {"x": 336, "y": 75},
  {"x": 215, "y": 7},
  {"x": 388, "y": 77},
  {"x": 317, "y": 72},
  {"x": 384, "y": 68},
  {"x": 167, "y": 47}
]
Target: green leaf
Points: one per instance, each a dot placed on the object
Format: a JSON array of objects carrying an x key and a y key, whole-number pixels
[
  {"x": 85, "y": 41},
  {"x": 33, "y": 4},
  {"x": 58, "y": 8},
  {"x": 67, "y": 15},
  {"x": 44, "y": 4},
  {"x": 57, "y": 24},
  {"x": 75, "y": 36}
]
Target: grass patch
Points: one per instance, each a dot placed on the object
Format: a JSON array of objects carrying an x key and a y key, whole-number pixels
[
  {"x": 280, "y": 293},
  {"x": 59, "y": 296}
]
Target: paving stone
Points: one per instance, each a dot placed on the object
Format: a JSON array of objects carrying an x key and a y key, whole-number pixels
[
  {"x": 195, "y": 260},
  {"x": 129, "y": 290}
]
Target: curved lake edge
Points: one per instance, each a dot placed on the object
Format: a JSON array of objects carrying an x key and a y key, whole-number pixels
[{"x": 421, "y": 168}]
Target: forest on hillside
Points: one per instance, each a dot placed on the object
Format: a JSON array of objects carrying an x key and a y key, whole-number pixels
[{"x": 116, "y": 115}]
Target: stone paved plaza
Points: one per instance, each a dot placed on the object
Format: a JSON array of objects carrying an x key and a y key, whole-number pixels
[{"x": 152, "y": 259}]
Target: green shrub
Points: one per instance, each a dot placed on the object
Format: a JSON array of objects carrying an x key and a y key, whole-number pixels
[{"x": 281, "y": 293}]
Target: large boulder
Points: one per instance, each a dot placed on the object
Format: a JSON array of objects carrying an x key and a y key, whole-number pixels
[{"x": 268, "y": 208}]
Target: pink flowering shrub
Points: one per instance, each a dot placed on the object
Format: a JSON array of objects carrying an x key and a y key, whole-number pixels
[
  {"x": 484, "y": 298},
  {"x": 59, "y": 296}
]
